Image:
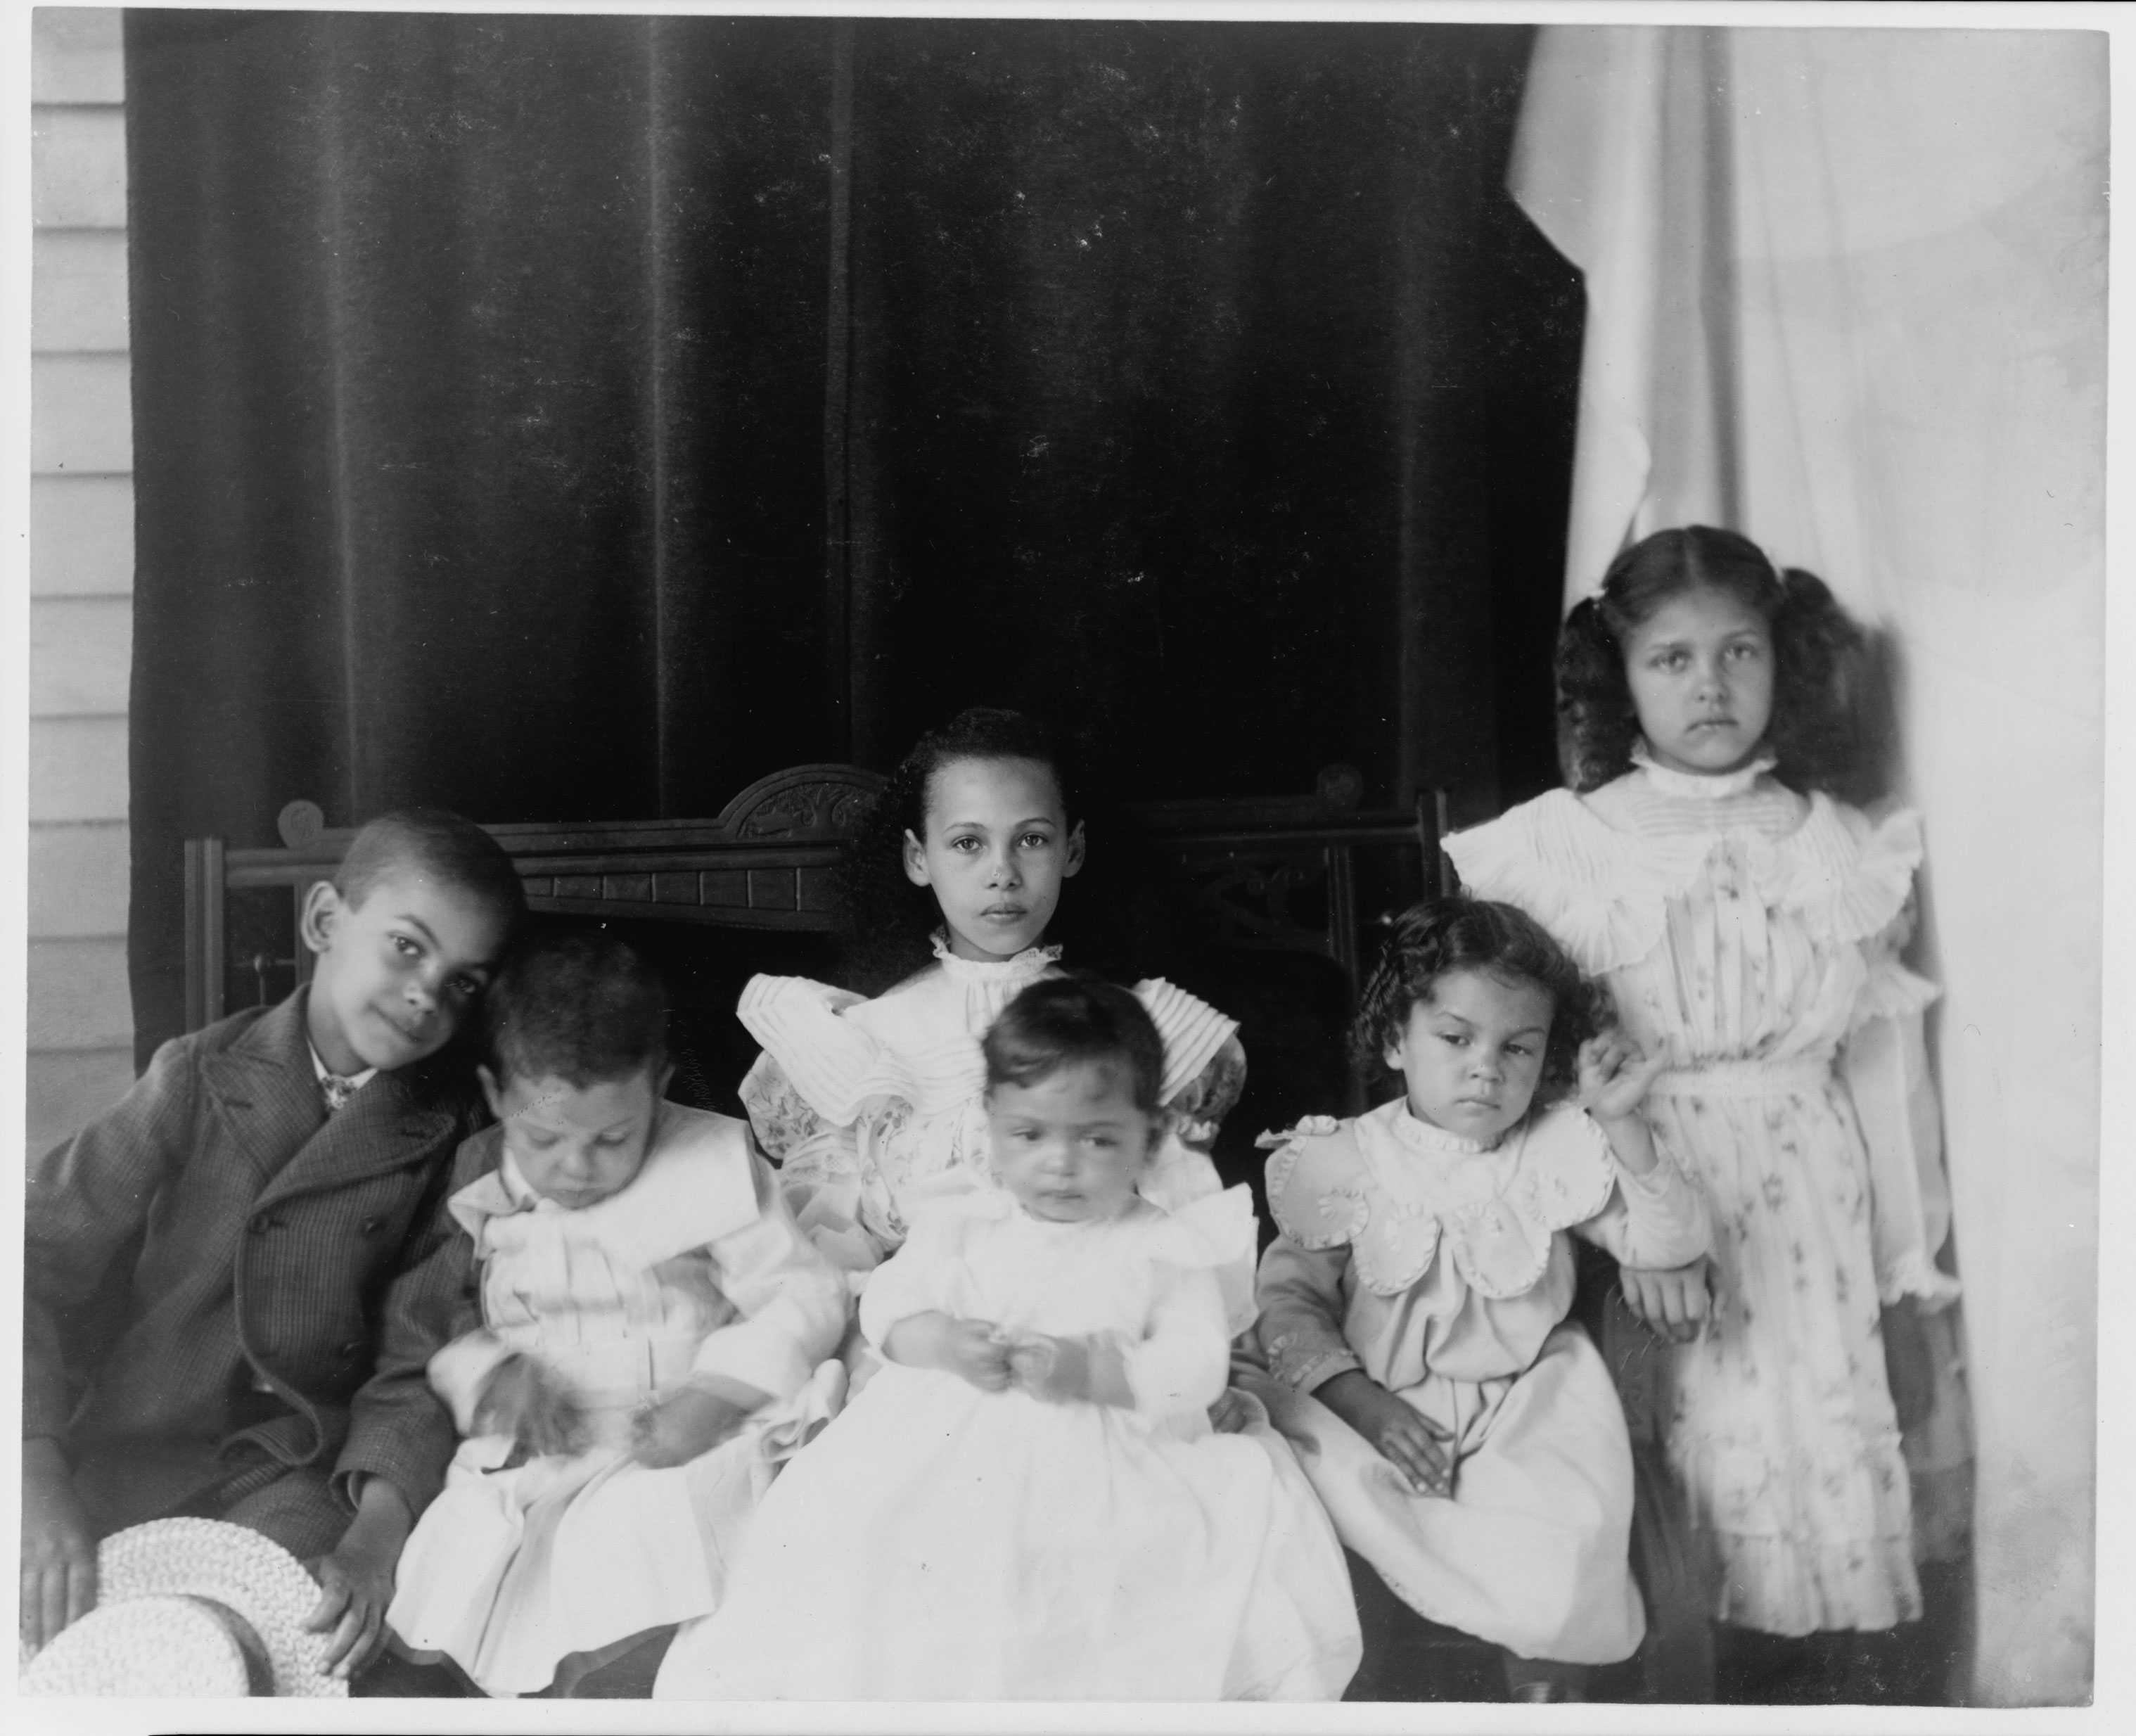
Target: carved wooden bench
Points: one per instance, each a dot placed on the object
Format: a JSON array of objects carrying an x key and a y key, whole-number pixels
[
  {"x": 1276, "y": 873},
  {"x": 1279, "y": 875}
]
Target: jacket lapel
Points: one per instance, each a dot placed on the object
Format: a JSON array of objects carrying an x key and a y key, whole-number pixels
[
  {"x": 265, "y": 1087},
  {"x": 271, "y": 1098},
  {"x": 388, "y": 1123}
]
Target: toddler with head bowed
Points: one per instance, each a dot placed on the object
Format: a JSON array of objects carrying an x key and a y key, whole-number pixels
[{"x": 656, "y": 1336}]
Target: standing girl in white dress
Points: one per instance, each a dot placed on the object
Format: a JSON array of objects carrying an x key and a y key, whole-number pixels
[
  {"x": 1748, "y": 927},
  {"x": 955, "y": 883},
  {"x": 1467, "y": 1440},
  {"x": 656, "y": 1336},
  {"x": 1027, "y": 1501}
]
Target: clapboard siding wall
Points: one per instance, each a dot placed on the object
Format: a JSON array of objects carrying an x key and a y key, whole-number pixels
[{"x": 80, "y": 1022}]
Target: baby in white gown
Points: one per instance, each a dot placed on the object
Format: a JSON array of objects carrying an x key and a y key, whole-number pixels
[{"x": 1028, "y": 1502}]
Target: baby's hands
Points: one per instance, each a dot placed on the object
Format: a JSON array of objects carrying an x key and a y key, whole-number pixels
[
  {"x": 520, "y": 1401},
  {"x": 1056, "y": 1369},
  {"x": 1615, "y": 1075},
  {"x": 1403, "y": 1437},
  {"x": 1675, "y": 1302},
  {"x": 689, "y": 1422},
  {"x": 977, "y": 1351},
  {"x": 1232, "y": 1413}
]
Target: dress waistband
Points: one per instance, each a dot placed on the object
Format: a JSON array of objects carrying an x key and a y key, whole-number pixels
[{"x": 1743, "y": 1078}]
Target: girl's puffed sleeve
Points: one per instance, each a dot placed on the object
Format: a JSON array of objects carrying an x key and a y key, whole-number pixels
[
  {"x": 1884, "y": 1062},
  {"x": 805, "y": 1096},
  {"x": 819, "y": 1167},
  {"x": 1315, "y": 1196}
]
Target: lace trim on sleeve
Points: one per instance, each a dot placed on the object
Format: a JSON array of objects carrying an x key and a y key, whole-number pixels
[
  {"x": 1304, "y": 1362},
  {"x": 783, "y": 1119},
  {"x": 1892, "y": 991}
]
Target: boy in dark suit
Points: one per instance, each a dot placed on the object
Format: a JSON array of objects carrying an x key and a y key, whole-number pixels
[{"x": 233, "y": 1278}]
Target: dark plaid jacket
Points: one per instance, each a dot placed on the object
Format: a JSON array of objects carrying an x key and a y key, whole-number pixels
[{"x": 214, "y": 1261}]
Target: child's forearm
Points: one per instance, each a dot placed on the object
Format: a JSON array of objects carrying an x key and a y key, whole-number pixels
[
  {"x": 920, "y": 1340},
  {"x": 1630, "y": 1140},
  {"x": 383, "y": 1520},
  {"x": 1339, "y": 1393},
  {"x": 745, "y": 1400}
]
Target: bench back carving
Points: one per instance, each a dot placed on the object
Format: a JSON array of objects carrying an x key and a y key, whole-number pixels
[{"x": 1275, "y": 874}]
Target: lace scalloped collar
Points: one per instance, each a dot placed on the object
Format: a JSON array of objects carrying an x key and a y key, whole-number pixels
[
  {"x": 1413, "y": 1131},
  {"x": 1031, "y": 962},
  {"x": 1700, "y": 785}
]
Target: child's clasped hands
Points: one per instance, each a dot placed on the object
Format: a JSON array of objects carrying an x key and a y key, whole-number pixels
[
  {"x": 1056, "y": 1370},
  {"x": 541, "y": 1418}
]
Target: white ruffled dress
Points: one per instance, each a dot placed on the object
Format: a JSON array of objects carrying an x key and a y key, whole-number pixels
[
  {"x": 1752, "y": 934},
  {"x": 696, "y": 1268},
  {"x": 938, "y": 1542},
  {"x": 1443, "y": 1269}
]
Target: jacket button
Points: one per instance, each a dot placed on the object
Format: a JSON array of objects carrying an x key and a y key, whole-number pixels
[{"x": 370, "y": 1226}]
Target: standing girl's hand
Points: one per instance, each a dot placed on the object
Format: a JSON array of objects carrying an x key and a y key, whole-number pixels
[
  {"x": 1676, "y": 1302},
  {"x": 1615, "y": 1075},
  {"x": 1402, "y": 1437}
]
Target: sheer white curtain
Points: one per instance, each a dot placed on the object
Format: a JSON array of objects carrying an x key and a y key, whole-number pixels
[{"x": 1847, "y": 293}]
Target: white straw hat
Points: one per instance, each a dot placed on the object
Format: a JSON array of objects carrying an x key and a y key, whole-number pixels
[
  {"x": 148, "y": 1648},
  {"x": 160, "y": 1588}
]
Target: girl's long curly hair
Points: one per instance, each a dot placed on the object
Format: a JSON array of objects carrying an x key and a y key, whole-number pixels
[
  {"x": 1441, "y": 936},
  {"x": 889, "y": 923},
  {"x": 1820, "y": 657}
]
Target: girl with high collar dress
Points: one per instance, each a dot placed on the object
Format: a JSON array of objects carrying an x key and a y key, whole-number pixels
[{"x": 1748, "y": 928}]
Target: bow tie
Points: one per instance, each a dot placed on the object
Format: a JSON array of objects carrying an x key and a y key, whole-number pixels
[{"x": 337, "y": 1091}]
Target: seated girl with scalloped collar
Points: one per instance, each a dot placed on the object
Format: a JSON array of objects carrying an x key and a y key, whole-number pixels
[{"x": 1466, "y": 1439}]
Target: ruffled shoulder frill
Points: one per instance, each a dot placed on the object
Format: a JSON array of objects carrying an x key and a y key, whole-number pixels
[
  {"x": 696, "y": 1185},
  {"x": 1851, "y": 876},
  {"x": 1604, "y": 893},
  {"x": 838, "y": 1064},
  {"x": 1382, "y": 1185},
  {"x": 945, "y": 1207},
  {"x": 1193, "y": 1032},
  {"x": 1211, "y": 1234}
]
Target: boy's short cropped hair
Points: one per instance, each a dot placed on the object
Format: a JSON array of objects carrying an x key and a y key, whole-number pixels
[
  {"x": 438, "y": 842},
  {"x": 1070, "y": 1021},
  {"x": 578, "y": 1005}
]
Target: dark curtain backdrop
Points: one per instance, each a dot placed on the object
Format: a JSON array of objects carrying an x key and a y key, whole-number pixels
[{"x": 579, "y": 418}]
